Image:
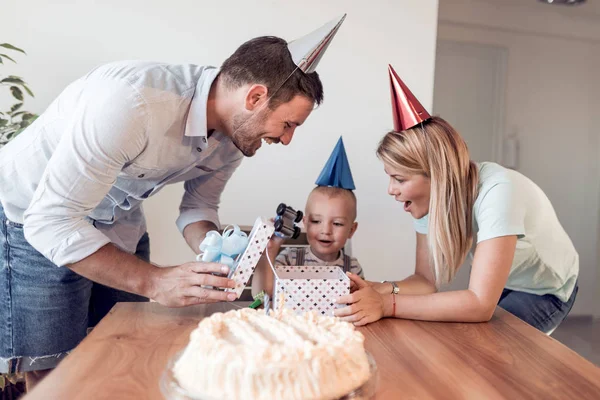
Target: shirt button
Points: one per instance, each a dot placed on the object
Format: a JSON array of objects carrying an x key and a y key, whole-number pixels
[
  {"x": 199, "y": 149},
  {"x": 204, "y": 139},
  {"x": 141, "y": 175}
]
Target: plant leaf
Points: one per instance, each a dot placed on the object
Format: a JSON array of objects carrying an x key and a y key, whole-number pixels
[
  {"x": 15, "y": 107},
  {"x": 3, "y": 122},
  {"x": 18, "y": 113},
  {"x": 17, "y": 93},
  {"x": 29, "y": 116},
  {"x": 10, "y": 46},
  {"x": 6, "y": 56},
  {"x": 13, "y": 79},
  {"x": 28, "y": 90},
  {"x": 24, "y": 124}
]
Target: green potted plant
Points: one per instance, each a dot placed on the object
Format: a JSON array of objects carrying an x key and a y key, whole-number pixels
[{"x": 14, "y": 120}]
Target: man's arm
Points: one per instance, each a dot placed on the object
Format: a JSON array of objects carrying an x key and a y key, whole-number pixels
[
  {"x": 198, "y": 212},
  {"x": 195, "y": 233},
  {"x": 170, "y": 286},
  {"x": 109, "y": 131}
]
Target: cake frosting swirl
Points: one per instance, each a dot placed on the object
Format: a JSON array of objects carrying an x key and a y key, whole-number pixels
[{"x": 245, "y": 354}]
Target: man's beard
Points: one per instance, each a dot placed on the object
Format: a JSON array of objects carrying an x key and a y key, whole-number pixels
[{"x": 247, "y": 131}]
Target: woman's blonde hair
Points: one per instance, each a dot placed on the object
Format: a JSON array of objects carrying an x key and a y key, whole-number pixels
[{"x": 436, "y": 150}]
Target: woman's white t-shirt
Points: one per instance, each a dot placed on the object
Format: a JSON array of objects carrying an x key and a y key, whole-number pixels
[{"x": 508, "y": 203}]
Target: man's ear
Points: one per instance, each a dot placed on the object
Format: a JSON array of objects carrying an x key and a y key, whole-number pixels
[{"x": 256, "y": 97}]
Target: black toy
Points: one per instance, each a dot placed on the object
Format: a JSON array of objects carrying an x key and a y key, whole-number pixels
[{"x": 286, "y": 220}]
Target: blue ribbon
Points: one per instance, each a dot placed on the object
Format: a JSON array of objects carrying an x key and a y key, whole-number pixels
[{"x": 223, "y": 249}]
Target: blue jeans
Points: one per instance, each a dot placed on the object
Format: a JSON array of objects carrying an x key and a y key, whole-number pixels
[
  {"x": 45, "y": 310},
  {"x": 544, "y": 313}
]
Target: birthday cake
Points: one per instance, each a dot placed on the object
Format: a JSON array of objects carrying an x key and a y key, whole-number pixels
[{"x": 246, "y": 354}]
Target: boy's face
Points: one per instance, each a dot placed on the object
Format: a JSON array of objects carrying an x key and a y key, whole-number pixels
[{"x": 329, "y": 222}]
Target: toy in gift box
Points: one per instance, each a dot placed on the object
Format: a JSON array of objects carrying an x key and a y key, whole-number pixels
[
  {"x": 240, "y": 252},
  {"x": 309, "y": 288},
  {"x": 286, "y": 220}
]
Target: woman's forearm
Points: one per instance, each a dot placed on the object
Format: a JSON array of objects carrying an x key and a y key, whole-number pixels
[
  {"x": 453, "y": 306},
  {"x": 416, "y": 284}
]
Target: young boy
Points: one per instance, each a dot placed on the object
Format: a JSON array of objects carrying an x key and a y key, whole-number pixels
[{"x": 329, "y": 220}]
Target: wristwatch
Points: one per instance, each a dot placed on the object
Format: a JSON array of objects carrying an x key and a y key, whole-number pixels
[{"x": 395, "y": 289}]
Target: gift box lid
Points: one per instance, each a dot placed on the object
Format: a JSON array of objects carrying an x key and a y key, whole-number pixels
[{"x": 308, "y": 272}]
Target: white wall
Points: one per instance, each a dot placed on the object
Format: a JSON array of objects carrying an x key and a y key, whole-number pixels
[
  {"x": 64, "y": 39},
  {"x": 552, "y": 100}
]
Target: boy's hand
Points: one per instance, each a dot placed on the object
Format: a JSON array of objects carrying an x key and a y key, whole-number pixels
[{"x": 275, "y": 243}]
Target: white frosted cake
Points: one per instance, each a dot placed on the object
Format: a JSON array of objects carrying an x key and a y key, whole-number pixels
[{"x": 245, "y": 354}]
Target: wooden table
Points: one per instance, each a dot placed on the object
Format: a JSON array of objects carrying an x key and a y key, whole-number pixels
[{"x": 126, "y": 353}]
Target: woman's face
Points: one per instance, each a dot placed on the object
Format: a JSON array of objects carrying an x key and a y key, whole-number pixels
[{"x": 412, "y": 190}]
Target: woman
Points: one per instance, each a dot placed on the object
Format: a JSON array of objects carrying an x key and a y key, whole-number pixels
[{"x": 523, "y": 260}]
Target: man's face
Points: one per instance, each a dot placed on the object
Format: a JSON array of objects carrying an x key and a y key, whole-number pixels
[{"x": 273, "y": 126}]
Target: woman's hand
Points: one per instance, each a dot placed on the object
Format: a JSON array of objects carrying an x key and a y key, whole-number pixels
[
  {"x": 365, "y": 304},
  {"x": 380, "y": 287},
  {"x": 354, "y": 286}
]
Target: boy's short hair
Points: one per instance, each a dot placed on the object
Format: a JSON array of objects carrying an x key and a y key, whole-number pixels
[{"x": 333, "y": 192}]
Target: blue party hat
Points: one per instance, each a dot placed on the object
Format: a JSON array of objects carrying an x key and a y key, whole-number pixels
[{"x": 336, "y": 172}]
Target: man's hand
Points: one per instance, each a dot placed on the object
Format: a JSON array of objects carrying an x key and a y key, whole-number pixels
[{"x": 185, "y": 285}]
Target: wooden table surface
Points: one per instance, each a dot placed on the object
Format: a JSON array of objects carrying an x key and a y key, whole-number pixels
[{"x": 125, "y": 355}]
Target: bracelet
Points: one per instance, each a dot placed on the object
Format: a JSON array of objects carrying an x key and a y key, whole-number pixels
[
  {"x": 393, "y": 305},
  {"x": 395, "y": 288}
]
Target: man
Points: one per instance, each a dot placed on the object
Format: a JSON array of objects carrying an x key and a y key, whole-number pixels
[{"x": 72, "y": 186}]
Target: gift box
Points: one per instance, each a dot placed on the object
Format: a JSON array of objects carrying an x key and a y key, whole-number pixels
[
  {"x": 309, "y": 288},
  {"x": 246, "y": 262}
]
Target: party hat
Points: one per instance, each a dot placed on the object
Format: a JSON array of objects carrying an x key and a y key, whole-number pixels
[
  {"x": 407, "y": 110},
  {"x": 336, "y": 171},
  {"x": 308, "y": 50}
]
